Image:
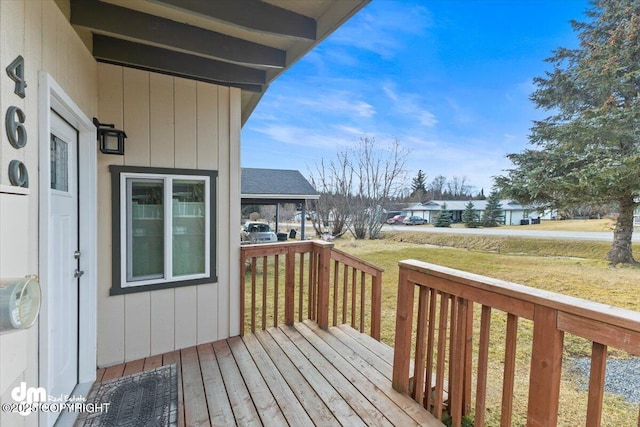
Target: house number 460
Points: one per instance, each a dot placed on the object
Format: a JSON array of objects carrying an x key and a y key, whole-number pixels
[{"x": 14, "y": 124}]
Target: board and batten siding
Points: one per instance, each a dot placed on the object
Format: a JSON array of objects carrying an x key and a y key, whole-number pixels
[
  {"x": 174, "y": 123},
  {"x": 39, "y": 32}
]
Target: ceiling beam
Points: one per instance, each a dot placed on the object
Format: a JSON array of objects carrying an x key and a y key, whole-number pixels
[
  {"x": 115, "y": 20},
  {"x": 123, "y": 52},
  {"x": 253, "y": 15}
]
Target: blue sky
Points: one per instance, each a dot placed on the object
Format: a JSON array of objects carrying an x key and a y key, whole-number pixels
[{"x": 450, "y": 79}]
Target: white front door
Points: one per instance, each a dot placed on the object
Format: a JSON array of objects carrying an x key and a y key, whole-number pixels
[{"x": 64, "y": 264}]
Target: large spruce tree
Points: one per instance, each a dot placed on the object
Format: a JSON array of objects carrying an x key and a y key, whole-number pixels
[
  {"x": 419, "y": 186},
  {"x": 588, "y": 148}
]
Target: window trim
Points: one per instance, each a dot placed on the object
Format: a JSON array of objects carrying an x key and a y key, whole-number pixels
[{"x": 119, "y": 174}]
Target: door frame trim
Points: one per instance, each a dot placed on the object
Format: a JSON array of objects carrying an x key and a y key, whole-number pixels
[{"x": 52, "y": 96}]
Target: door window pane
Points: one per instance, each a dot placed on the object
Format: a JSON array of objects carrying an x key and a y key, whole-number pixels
[
  {"x": 59, "y": 164},
  {"x": 188, "y": 227},
  {"x": 145, "y": 229}
]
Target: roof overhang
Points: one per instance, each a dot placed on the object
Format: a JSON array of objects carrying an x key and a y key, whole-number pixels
[
  {"x": 245, "y": 44},
  {"x": 272, "y": 199}
]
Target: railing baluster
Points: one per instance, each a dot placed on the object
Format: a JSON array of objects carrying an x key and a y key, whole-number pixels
[
  {"x": 353, "y": 297},
  {"x": 311, "y": 286},
  {"x": 483, "y": 362},
  {"x": 253, "y": 294},
  {"x": 458, "y": 361},
  {"x": 468, "y": 362},
  {"x": 438, "y": 398},
  {"x": 301, "y": 290},
  {"x": 596, "y": 384},
  {"x": 276, "y": 272},
  {"x": 453, "y": 324},
  {"x": 509, "y": 370},
  {"x": 322, "y": 286},
  {"x": 289, "y": 286},
  {"x": 243, "y": 275},
  {"x": 345, "y": 292},
  {"x": 376, "y": 305},
  {"x": 336, "y": 270},
  {"x": 422, "y": 328},
  {"x": 362, "y": 300},
  {"x": 264, "y": 292},
  {"x": 433, "y": 302}
]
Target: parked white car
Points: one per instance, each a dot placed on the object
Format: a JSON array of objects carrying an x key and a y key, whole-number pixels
[
  {"x": 414, "y": 220},
  {"x": 257, "y": 232}
]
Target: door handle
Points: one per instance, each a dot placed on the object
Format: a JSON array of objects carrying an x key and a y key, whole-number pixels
[{"x": 78, "y": 273}]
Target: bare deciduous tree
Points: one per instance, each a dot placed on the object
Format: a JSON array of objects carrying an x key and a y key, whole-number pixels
[
  {"x": 380, "y": 174},
  {"x": 334, "y": 182},
  {"x": 356, "y": 187}
]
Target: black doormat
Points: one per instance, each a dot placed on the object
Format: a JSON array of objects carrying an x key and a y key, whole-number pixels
[{"x": 149, "y": 398}]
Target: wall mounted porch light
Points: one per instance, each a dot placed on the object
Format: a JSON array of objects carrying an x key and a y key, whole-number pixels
[{"x": 111, "y": 139}]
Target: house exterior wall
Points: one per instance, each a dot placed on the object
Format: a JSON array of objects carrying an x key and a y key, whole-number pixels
[
  {"x": 39, "y": 32},
  {"x": 513, "y": 217},
  {"x": 171, "y": 123}
]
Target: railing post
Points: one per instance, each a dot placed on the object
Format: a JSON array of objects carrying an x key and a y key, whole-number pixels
[
  {"x": 546, "y": 365},
  {"x": 324, "y": 270},
  {"x": 289, "y": 285},
  {"x": 404, "y": 323}
]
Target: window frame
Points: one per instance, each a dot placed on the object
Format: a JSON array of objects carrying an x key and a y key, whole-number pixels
[{"x": 120, "y": 209}]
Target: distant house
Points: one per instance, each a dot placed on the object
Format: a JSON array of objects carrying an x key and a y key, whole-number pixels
[{"x": 514, "y": 212}]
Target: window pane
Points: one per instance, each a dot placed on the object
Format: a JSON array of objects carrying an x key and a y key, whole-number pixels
[
  {"x": 188, "y": 227},
  {"x": 59, "y": 164},
  {"x": 145, "y": 229}
]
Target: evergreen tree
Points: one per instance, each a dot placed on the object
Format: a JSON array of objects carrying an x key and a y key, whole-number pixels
[
  {"x": 587, "y": 149},
  {"x": 443, "y": 219},
  {"x": 470, "y": 216},
  {"x": 493, "y": 212},
  {"x": 419, "y": 186}
]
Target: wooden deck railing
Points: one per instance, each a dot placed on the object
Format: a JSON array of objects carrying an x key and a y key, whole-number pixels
[
  {"x": 286, "y": 282},
  {"x": 439, "y": 375}
]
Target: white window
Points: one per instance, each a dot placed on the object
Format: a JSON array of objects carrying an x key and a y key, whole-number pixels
[{"x": 163, "y": 228}]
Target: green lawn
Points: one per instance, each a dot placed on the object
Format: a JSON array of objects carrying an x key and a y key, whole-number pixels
[{"x": 571, "y": 268}]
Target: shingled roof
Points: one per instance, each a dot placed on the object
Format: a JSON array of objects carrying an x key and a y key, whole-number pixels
[{"x": 268, "y": 185}]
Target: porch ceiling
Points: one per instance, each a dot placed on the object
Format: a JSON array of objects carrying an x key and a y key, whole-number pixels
[{"x": 240, "y": 43}]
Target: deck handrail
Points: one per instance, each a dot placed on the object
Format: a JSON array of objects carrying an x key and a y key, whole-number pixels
[
  {"x": 312, "y": 289},
  {"x": 446, "y": 299}
]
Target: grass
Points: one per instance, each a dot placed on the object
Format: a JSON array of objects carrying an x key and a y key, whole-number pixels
[
  {"x": 572, "y": 268},
  {"x": 605, "y": 224}
]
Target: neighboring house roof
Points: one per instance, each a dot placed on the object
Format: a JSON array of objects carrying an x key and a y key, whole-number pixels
[
  {"x": 241, "y": 43},
  {"x": 460, "y": 205},
  {"x": 269, "y": 185}
]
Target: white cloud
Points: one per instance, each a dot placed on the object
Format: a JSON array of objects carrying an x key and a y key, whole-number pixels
[
  {"x": 303, "y": 136},
  {"x": 427, "y": 119},
  {"x": 390, "y": 93},
  {"x": 382, "y": 29},
  {"x": 350, "y": 130},
  {"x": 338, "y": 103}
]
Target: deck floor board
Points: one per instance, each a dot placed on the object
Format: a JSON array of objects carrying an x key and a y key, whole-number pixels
[{"x": 295, "y": 375}]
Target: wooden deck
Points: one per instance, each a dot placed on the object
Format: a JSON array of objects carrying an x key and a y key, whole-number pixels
[{"x": 297, "y": 375}]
